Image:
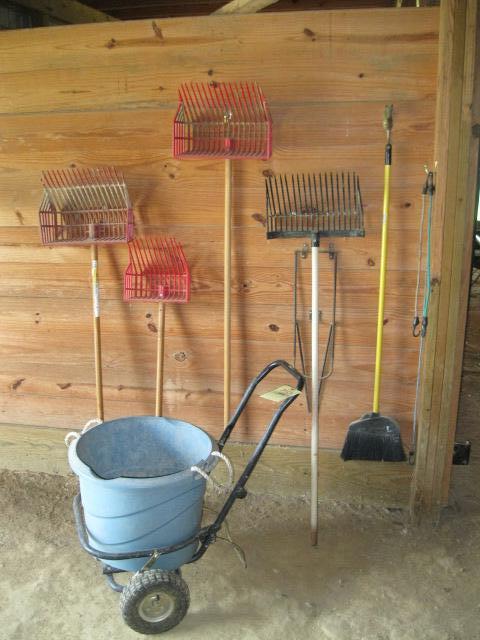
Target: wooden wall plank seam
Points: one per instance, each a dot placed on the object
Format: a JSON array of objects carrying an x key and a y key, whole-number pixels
[{"x": 40, "y": 449}]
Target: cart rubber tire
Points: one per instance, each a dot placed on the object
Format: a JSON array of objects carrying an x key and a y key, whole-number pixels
[{"x": 154, "y": 601}]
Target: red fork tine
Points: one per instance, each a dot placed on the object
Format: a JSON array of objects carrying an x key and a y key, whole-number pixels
[
  {"x": 159, "y": 272},
  {"x": 222, "y": 120},
  {"x": 253, "y": 116},
  {"x": 87, "y": 206},
  {"x": 154, "y": 261},
  {"x": 227, "y": 121},
  {"x": 82, "y": 206}
]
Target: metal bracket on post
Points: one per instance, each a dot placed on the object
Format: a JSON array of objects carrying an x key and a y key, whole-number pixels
[
  {"x": 297, "y": 338},
  {"x": 461, "y": 452},
  {"x": 310, "y": 316}
]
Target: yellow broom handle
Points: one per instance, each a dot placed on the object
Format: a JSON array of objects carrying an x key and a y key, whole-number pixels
[{"x": 381, "y": 293}]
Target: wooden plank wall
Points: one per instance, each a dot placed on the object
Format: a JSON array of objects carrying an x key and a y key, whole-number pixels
[{"x": 106, "y": 94}]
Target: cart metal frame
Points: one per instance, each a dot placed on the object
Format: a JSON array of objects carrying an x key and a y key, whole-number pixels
[{"x": 206, "y": 535}]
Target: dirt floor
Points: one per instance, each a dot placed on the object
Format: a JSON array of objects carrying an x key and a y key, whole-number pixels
[{"x": 372, "y": 576}]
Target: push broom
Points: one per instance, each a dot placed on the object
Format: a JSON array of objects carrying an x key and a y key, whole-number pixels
[
  {"x": 157, "y": 271},
  {"x": 375, "y": 436},
  {"x": 229, "y": 121},
  {"x": 87, "y": 207}
]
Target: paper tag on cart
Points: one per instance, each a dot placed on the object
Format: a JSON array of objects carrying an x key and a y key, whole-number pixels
[{"x": 281, "y": 393}]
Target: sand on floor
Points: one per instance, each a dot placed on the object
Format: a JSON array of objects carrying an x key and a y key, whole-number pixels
[{"x": 372, "y": 576}]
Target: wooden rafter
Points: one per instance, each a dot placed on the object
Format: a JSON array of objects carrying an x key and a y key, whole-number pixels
[
  {"x": 69, "y": 11},
  {"x": 244, "y": 6}
]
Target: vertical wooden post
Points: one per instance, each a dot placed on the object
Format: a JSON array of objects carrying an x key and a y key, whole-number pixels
[{"x": 452, "y": 235}]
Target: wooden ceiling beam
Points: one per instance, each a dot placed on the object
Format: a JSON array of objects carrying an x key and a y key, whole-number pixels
[
  {"x": 144, "y": 9},
  {"x": 244, "y": 6},
  {"x": 69, "y": 11}
]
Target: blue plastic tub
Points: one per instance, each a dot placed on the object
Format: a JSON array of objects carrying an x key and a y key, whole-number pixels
[{"x": 136, "y": 486}]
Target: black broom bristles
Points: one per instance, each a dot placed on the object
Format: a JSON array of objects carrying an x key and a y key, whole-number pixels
[{"x": 374, "y": 437}]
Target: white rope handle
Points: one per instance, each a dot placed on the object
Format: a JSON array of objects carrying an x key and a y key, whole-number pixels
[
  {"x": 91, "y": 423},
  {"x": 75, "y": 435},
  {"x": 213, "y": 483},
  {"x": 70, "y": 437},
  {"x": 228, "y": 464}
]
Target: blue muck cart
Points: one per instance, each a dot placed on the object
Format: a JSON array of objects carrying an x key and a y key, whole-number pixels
[{"x": 142, "y": 486}]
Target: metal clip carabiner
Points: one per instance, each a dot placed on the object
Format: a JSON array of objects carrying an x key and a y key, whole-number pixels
[
  {"x": 415, "y": 330},
  {"x": 423, "y": 331},
  {"x": 429, "y": 186}
]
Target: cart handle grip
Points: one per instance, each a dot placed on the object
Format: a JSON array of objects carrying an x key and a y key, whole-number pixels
[{"x": 251, "y": 388}]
